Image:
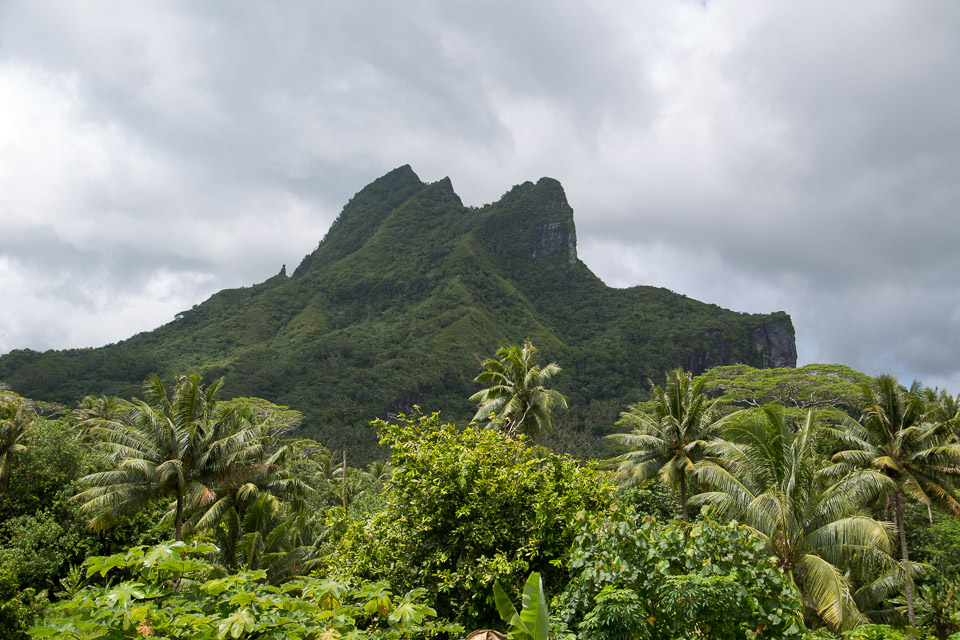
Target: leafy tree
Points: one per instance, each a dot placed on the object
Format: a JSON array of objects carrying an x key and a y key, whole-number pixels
[
  {"x": 41, "y": 533},
  {"x": 670, "y": 442},
  {"x": 832, "y": 390},
  {"x": 516, "y": 397},
  {"x": 19, "y": 606},
  {"x": 15, "y": 421},
  {"x": 765, "y": 476},
  {"x": 38, "y": 546},
  {"x": 652, "y": 498},
  {"x": 466, "y": 509},
  {"x": 175, "y": 447},
  {"x": 937, "y": 545},
  {"x": 916, "y": 457},
  {"x": 633, "y": 578},
  {"x": 46, "y": 472}
]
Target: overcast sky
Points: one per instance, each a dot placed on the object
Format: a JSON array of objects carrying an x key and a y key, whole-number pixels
[{"x": 797, "y": 156}]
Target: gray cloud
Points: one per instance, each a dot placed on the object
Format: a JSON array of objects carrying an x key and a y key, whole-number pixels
[{"x": 756, "y": 155}]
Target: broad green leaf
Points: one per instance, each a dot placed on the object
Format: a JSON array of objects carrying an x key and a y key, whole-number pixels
[
  {"x": 406, "y": 615},
  {"x": 236, "y": 625},
  {"x": 535, "y": 618},
  {"x": 508, "y": 613}
]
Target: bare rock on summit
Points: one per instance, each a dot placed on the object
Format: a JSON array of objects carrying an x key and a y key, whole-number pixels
[{"x": 776, "y": 345}]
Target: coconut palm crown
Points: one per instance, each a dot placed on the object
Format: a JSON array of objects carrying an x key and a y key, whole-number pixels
[
  {"x": 765, "y": 476},
  {"x": 894, "y": 438},
  {"x": 517, "y": 397},
  {"x": 169, "y": 448},
  {"x": 674, "y": 439}
]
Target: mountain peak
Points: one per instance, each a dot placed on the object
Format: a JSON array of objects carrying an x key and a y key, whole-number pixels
[
  {"x": 361, "y": 217},
  {"x": 400, "y": 176},
  {"x": 535, "y": 220}
]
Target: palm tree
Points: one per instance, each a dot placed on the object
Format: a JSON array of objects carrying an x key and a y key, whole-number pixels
[
  {"x": 380, "y": 472},
  {"x": 168, "y": 448},
  {"x": 15, "y": 421},
  {"x": 252, "y": 481},
  {"x": 674, "y": 439},
  {"x": 517, "y": 397},
  {"x": 275, "y": 536},
  {"x": 765, "y": 476},
  {"x": 93, "y": 411},
  {"x": 893, "y": 438},
  {"x": 943, "y": 407}
]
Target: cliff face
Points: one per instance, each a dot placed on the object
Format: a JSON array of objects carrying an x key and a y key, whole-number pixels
[
  {"x": 552, "y": 237},
  {"x": 773, "y": 341},
  {"x": 776, "y": 343},
  {"x": 403, "y": 298}
]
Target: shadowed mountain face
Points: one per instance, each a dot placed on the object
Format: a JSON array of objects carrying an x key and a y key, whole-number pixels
[{"x": 405, "y": 296}]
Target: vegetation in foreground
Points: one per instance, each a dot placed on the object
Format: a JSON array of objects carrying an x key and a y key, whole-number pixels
[{"x": 182, "y": 516}]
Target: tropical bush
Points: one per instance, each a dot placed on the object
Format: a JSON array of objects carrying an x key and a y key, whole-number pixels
[
  {"x": 875, "y": 632},
  {"x": 19, "y": 606},
  {"x": 172, "y": 591},
  {"x": 652, "y": 498},
  {"x": 637, "y": 579},
  {"x": 468, "y": 508}
]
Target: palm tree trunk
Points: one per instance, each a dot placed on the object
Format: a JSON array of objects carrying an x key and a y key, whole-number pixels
[
  {"x": 898, "y": 502},
  {"x": 179, "y": 521},
  {"x": 683, "y": 494}
]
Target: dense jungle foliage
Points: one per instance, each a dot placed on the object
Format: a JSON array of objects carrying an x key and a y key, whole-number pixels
[
  {"x": 399, "y": 304},
  {"x": 181, "y": 515}
]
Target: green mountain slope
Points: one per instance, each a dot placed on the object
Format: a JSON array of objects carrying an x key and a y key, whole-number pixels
[{"x": 405, "y": 296}]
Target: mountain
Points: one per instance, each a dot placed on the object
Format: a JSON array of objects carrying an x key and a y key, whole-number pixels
[{"x": 399, "y": 304}]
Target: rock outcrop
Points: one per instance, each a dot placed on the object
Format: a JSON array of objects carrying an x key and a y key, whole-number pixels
[{"x": 776, "y": 344}]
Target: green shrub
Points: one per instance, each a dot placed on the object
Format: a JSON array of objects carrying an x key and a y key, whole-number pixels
[
  {"x": 19, "y": 607},
  {"x": 874, "y": 632},
  {"x": 653, "y": 498},
  {"x": 170, "y": 591},
  {"x": 466, "y": 509},
  {"x": 708, "y": 580},
  {"x": 618, "y": 614}
]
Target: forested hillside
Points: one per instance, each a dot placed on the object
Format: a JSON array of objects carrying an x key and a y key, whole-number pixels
[{"x": 399, "y": 304}]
